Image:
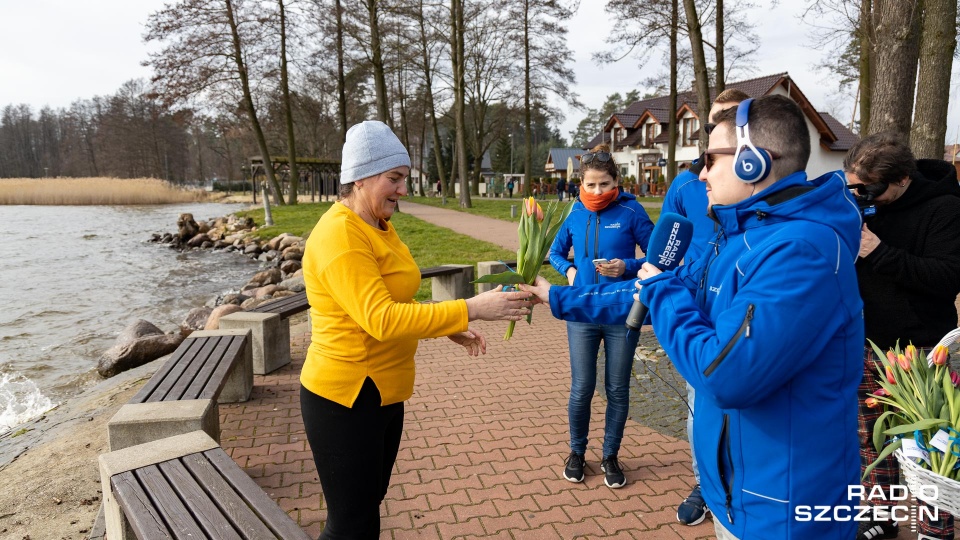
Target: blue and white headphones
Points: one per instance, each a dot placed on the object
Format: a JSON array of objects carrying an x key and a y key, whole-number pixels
[{"x": 750, "y": 164}]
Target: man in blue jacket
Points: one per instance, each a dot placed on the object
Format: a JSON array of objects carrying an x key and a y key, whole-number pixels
[{"x": 767, "y": 326}]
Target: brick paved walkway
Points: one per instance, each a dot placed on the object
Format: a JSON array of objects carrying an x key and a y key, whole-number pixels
[{"x": 485, "y": 439}]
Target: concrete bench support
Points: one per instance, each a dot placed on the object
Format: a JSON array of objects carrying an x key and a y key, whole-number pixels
[
  {"x": 239, "y": 383},
  {"x": 140, "y": 423},
  {"x": 271, "y": 338},
  {"x": 454, "y": 286},
  {"x": 135, "y": 457},
  {"x": 485, "y": 268}
]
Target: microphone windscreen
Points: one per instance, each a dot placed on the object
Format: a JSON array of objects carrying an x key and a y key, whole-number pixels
[{"x": 669, "y": 241}]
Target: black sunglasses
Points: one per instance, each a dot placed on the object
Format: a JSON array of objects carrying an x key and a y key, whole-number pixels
[
  {"x": 869, "y": 191},
  {"x": 709, "y": 157},
  {"x": 602, "y": 157},
  {"x": 709, "y": 127}
]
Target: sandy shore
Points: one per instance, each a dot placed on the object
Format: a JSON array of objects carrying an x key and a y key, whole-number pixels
[{"x": 48, "y": 467}]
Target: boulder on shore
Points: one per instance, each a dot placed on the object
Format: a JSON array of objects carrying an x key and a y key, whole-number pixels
[
  {"x": 137, "y": 344},
  {"x": 196, "y": 319},
  {"x": 213, "y": 321},
  {"x": 187, "y": 227}
]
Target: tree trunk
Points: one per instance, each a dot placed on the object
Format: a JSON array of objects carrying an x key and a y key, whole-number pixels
[
  {"x": 287, "y": 109},
  {"x": 459, "y": 71},
  {"x": 421, "y": 166},
  {"x": 721, "y": 75},
  {"x": 701, "y": 85},
  {"x": 379, "y": 78},
  {"x": 865, "y": 36},
  {"x": 431, "y": 106},
  {"x": 405, "y": 131},
  {"x": 248, "y": 105},
  {"x": 938, "y": 40},
  {"x": 341, "y": 83},
  {"x": 897, "y": 51},
  {"x": 527, "y": 142},
  {"x": 672, "y": 128}
]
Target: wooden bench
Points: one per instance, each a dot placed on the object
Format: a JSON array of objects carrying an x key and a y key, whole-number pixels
[
  {"x": 186, "y": 487},
  {"x": 208, "y": 368},
  {"x": 450, "y": 281},
  {"x": 269, "y": 324}
]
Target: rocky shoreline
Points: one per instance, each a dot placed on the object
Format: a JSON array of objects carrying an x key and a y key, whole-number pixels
[{"x": 141, "y": 341}]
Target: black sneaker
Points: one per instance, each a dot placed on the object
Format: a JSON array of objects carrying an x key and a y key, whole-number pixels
[
  {"x": 613, "y": 472},
  {"x": 874, "y": 530},
  {"x": 573, "y": 469},
  {"x": 693, "y": 509}
]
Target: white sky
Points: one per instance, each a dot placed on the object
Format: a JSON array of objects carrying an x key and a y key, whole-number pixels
[{"x": 53, "y": 52}]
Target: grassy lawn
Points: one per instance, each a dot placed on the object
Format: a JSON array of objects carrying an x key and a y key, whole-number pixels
[
  {"x": 429, "y": 244},
  {"x": 500, "y": 208}
]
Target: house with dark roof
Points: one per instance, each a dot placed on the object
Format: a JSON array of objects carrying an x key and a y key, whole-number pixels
[
  {"x": 638, "y": 136},
  {"x": 563, "y": 162}
]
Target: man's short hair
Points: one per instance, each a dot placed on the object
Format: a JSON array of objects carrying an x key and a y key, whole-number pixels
[
  {"x": 881, "y": 157},
  {"x": 776, "y": 123},
  {"x": 731, "y": 95}
]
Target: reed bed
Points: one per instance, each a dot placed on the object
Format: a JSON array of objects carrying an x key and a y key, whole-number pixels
[{"x": 94, "y": 191}]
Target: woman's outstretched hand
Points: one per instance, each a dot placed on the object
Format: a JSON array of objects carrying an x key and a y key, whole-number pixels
[
  {"x": 471, "y": 340},
  {"x": 496, "y": 305}
]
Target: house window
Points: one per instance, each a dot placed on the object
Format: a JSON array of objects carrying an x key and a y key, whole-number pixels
[
  {"x": 650, "y": 134},
  {"x": 690, "y": 127}
]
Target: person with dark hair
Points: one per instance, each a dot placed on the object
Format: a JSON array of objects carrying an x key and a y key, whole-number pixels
[
  {"x": 561, "y": 187},
  {"x": 908, "y": 272},
  {"x": 766, "y": 386},
  {"x": 604, "y": 228},
  {"x": 687, "y": 196},
  {"x": 360, "y": 280}
]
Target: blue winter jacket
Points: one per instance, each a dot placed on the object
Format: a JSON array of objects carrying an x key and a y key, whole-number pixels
[
  {"x": 767, "y": 326},
  {"x": 687, "y": 196},
  {"x": 612, "y": 233}
]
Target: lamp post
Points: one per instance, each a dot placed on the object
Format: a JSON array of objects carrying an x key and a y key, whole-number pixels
[{"x": 511, "y": 151}]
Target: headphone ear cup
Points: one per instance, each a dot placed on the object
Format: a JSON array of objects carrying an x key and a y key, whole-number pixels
[{"x": 750, "y": 166}]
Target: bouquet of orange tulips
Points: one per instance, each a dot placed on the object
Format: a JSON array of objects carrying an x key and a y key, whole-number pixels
[
  {"x": 922, "y": 408},
  {"x": 537, "y": 231}
]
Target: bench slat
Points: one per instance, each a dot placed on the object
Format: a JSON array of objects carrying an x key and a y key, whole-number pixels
[
  {"x": 185, "y": 349},
  {"x": 189, "y": 364},
  {"x": 168, "y": 504},
  {"x": 437, "y": 271},
  {"x": 286, "y": 306},
  {"x": 138, "y": 508},
  {"x": 178, "y": 390},
  {"x": 233, "y": 506},
  {"x": 209, "y": 517},
  {"x": 227, "y": 354},
  {"x": 278, "y": 520}
]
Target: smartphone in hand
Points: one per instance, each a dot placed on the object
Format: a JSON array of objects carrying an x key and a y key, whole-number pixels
[{"x": 600, "y": 261}]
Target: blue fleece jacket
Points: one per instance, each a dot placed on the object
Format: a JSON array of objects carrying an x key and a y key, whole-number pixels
[
  {"x": 612, "y": 233},
  {"x": 687, "y": 196},
  {"x": 767, "y": 326}
]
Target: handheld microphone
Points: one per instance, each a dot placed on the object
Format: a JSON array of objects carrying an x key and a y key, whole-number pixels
[{"x": 668, "y": 244}]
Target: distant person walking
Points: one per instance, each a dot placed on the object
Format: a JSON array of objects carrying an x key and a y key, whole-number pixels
[
  {"x": 561, "y": 187},
  {"x": 510, "y": 187}
]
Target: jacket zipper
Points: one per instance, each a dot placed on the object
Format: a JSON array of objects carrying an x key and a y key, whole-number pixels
[
  {"x": 726, "y": 477},
  {"x": 596, "y": 248},
  {"x": 744, "y": 331},
  {"x": 702, "y": 293}
]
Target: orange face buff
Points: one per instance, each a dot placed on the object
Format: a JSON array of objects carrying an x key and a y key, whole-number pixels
[{"x": 595, "y": 203}]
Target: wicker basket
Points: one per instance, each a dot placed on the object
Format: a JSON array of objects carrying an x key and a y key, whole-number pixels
[{"x": 916, "y": 477}]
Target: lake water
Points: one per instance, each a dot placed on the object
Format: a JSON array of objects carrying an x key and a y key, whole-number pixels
[{"x": 72, "y": 277}]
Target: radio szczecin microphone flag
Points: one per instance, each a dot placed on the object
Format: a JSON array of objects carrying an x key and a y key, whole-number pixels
[{"x": 668, "y": 244}]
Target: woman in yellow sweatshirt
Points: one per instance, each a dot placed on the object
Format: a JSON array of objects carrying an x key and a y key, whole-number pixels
[{"x": 361, "y": 279}]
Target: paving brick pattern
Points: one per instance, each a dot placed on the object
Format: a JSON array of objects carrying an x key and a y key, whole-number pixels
[{"x": 482, "y": 450}]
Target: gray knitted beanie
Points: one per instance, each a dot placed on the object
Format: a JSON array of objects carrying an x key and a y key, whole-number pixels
[{"x": 371, "y": 148}]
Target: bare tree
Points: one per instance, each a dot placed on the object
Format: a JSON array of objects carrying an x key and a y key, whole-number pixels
[
  {"x": 701, "y": 86},
  {"x": 459, "y": 69},
  {"x": 203, "y": 54},
  {"x": 376, "y": 58},
  {"x": 287, "y": 109}
]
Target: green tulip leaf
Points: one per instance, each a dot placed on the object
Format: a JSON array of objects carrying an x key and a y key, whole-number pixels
[{"x": 504, "y": 278}]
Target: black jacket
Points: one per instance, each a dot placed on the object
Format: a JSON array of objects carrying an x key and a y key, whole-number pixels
[{"x": 910, "y": 282}]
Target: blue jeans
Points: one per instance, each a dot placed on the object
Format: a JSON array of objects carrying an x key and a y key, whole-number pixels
[
  {"x": 584, "y": 340},
  {"x": 691, "y": 394}
]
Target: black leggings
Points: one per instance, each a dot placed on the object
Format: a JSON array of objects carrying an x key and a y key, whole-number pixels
[{"x": 354, "y": 449}]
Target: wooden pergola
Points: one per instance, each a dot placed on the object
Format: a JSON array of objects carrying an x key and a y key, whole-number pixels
[{"x": 320, "y": 176}]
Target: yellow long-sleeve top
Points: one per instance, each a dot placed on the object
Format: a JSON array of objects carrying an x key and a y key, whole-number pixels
[{"x": 360, "y": 283}]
